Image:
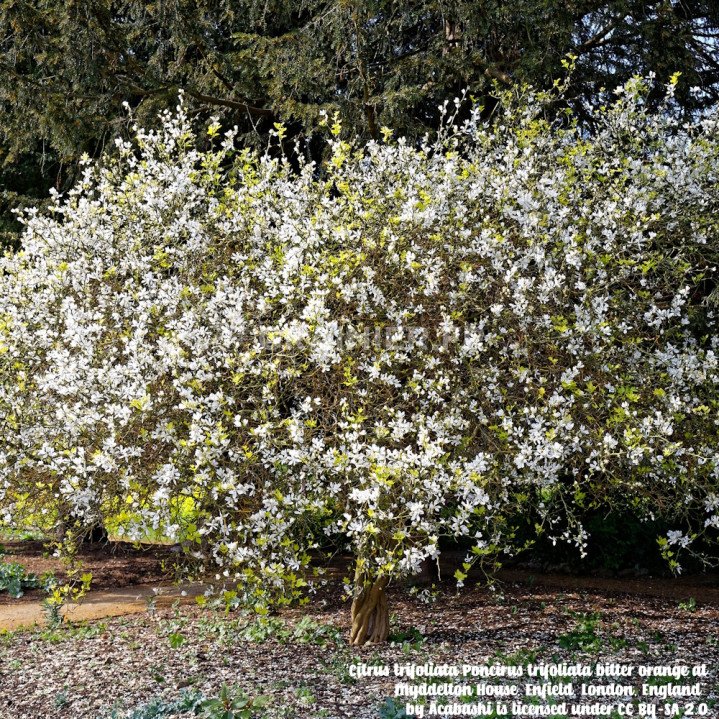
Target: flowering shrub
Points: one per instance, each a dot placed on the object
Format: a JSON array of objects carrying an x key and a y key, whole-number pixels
[{"x": 405, "y": 344}]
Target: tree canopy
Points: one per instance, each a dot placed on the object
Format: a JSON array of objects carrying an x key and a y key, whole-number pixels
[
  {"x": 509, "y": 320},
  {"x": 66, "y": 67}
]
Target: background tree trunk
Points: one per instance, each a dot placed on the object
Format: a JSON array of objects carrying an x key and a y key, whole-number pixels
[
  {"x": 68, "y": 529},
  {"x": 96, "y": 535},
  {"x": 428, "y": 574}
]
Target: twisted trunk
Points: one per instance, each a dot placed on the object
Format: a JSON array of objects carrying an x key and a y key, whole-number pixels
[{"x": 370, "y": 615}]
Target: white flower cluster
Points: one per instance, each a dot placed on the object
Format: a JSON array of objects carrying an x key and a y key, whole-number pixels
[{"x": 185, "y": 340}]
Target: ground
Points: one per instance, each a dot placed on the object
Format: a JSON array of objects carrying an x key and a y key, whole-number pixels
[
  {"x": 112, "y": 565},
  {"x": 156, "y": 662}
]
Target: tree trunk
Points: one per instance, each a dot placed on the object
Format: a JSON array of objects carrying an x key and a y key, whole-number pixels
[
  {"x": 370, "y": 615},
  {"x": 69, "y": 529},
  {"x": 96, "y": 535},
  {"x": 428, "y": 574},
  {"x": 452, "y": 36}
]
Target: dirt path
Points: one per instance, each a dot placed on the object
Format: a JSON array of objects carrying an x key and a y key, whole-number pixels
[
  {"x": 703, "y": 588},
  {"x": 135, "y": 599},
  {"x": 99, "y": 605},
  {"x": 112, "y": 565}
]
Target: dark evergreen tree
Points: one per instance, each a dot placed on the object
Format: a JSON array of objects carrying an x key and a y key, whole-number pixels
[{"x": 66, "y": 67}]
